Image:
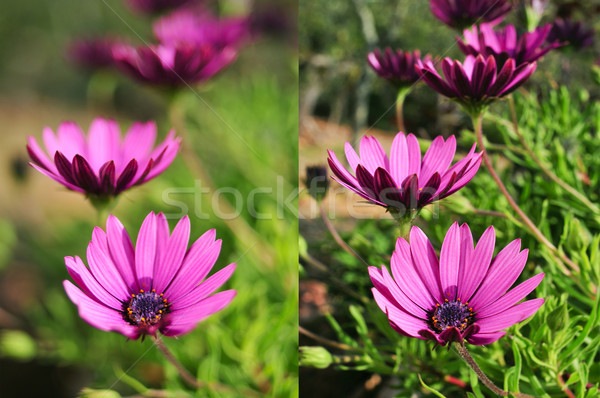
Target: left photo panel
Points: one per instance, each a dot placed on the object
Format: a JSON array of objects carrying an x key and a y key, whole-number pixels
[{"x": 148, "y": 209}]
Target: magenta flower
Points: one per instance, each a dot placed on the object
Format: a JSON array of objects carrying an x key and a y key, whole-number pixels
[
  {"x": 158, "y": 286},
  {"x": 476, "y": 83},
  {"x": 505, "y": 43},
  {"x": 172, "y": 65},
  {"x": 397, "y": 66},
  {"x": 460, "y": 296},
  {"x": 575, "y": 34},
  {"x": 157, "y": 6},
  {"x": 103, "y": 164},
  {"x": 92, "y": 53},
  {"x": 461, "y": 14},
  {"x": 403, "y": 182},
  {"x": 200, "y": 29}
]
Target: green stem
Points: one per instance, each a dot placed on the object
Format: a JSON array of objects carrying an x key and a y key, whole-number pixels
[
  {"x": 462, "y": 352},
  {"x": 187, "y": 376},
  {"x": 477, "y": 124},
  {"x": 575, "y": 193},
  {"x": 402, "y": 93},
  {"x": 338, "y": 239},
  {"x": 405, "y": 221}
]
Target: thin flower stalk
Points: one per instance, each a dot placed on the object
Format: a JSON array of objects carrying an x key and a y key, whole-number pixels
[
  {"x": 462, "y": 352},
  {"x": 477, "y": 123}
]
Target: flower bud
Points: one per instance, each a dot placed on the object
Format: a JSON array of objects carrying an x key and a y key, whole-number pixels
[
  {"x": 90, "y": 393},
  {"x": 558, "y": 318},
  {"x": 317, "y": 182},
  {"x": 315, "y": 357},
  {"x": 578, "y": 236}
]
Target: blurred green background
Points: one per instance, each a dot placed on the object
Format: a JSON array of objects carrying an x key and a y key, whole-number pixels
[{"x": 239, "y": 133}]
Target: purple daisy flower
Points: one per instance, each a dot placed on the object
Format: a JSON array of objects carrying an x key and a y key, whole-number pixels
[
  {"x": 397, "y": 66},
  {"x": 505, "y": 43},
  {"x": 200, "y": 29},
  {"x": 476, "y": 83},
  {"x": 172, "y": 65},
  {"x": 403, "y": 182},
  {"x": 460, "y": 296},
  {"x": 158, "y": 286},
  {"x": 103, "y": 164},
  {"x": 461, "y": 14},
  {"x": 157, "y": 6},
  {"x": 575, "y": 34},
  {"x": 92, "y": 53}
]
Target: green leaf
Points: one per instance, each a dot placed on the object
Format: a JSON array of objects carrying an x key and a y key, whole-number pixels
[
  {"x": 435, "y": 392},
  {"x": 514, "y": 381},
  {"x": 475, "y": 384}
]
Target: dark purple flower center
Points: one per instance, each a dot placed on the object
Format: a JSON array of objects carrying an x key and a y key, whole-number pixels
[
  {"x": 145, "y": 308},
  {"x": 451, "y": 314}
]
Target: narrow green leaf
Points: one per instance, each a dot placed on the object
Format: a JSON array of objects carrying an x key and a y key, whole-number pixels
[{"x": 435, "y": 392}]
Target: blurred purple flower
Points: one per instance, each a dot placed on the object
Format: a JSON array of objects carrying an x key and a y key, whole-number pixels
[
  {"x": 461, "y": 296},
  {"x": 172, "y": 65},
  {"x": 158, "y": 286},
  {"x": 200, "y": 28},
  {"x": 403, "y": 182},
  {"x": 574, "y": 34},
  {"x": 476, "y": 83},
  {"x": 461, "y": 14},
  {"x": 92, "y": 53},
  {"x": 103, "y": 164},
  {"x": 273, "y": 19},
  {"x": 505, "y": 43},
  {"x": 397, "y": 66},
  {"x": 157, "y": 6}
]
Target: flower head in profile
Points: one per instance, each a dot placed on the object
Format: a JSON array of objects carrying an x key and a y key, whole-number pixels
[
  {"x": 102, "y": 164},
  {"x": 157, "y": 286},
  {"x": 172, "y": 65},
  {"x": 477, "y": 82},
  {"x": 92, "y": 53},
  {"x": 504, "y": 44},
  {"x": 462, "y": 295},
  {"x": 461, "y": 14},
  {"x": 574, "y": 34},
  {"x": 404, "y": 182},
  {"x": 201, "y": 28},
  {"x": 398, "y": 67},
  {"x": 157, "y": 6}
]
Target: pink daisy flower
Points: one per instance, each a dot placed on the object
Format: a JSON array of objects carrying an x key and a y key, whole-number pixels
[
  {"x": 158, "y": 286},
  {"x": 172, "y": 65},
  {"x": 103, "y": 163},
  {"x": 462, "y": 295},
  {"x": 404, "y": 182}
]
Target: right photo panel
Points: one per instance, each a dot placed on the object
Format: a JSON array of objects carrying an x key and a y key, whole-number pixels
[{"x": 450, "y": 206}]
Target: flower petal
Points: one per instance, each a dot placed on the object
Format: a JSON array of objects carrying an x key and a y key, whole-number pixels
[
  {"x": 502, "y": 274},
  {"x": 206, "y": 288},
  {"x": 185, "y": 320},
  {"x": 450, "y": 261},
  {"x": 83, "y": 275},
  {"x": 145, "y": 252},
  {"x": 121, "y": 251},
  {"x": 173, "y": 255},
  {"x": 426, "y": 262},
  {"x": 98, "y": 315},
  {"x": 512, "y": 297},
  {"x": 478, "y": 262},
  {"x": 405, "y": 322},
  {"x": 507, "y": 318},
  {"x": 407, "y": 278}
]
